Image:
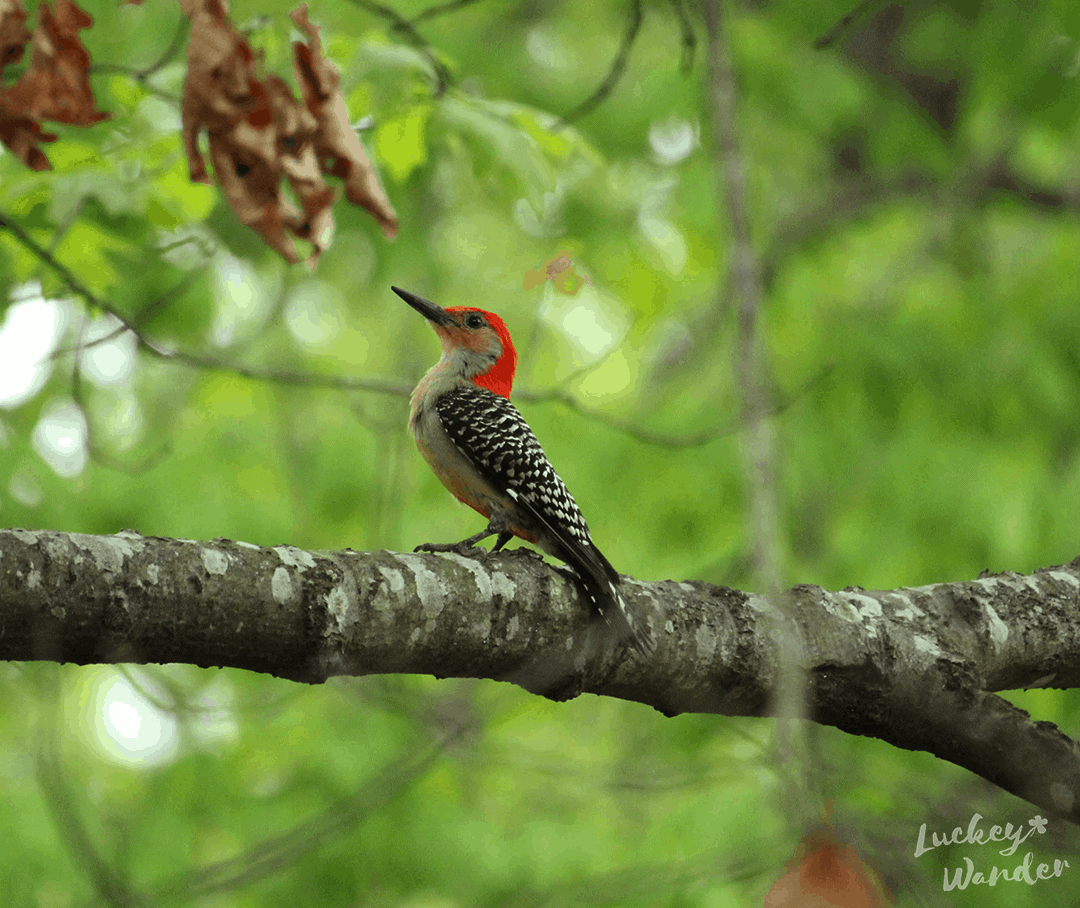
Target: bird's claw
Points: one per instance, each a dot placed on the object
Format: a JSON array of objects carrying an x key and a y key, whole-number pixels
[{"x": 458, "y": 548}]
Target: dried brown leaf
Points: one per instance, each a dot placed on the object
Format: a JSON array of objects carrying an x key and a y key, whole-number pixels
[
  {"x": 336, "y": 143},
  {"x": 22, "y": 136},
  {"x": 217, "y": 87},
  {"x": 253, "y": 193},
  {"x": 260, "y": 134},
  {"x": 57, "y": 84},
  {"x": 560, "y": 271},
  {"x": 13, "y": 32}
]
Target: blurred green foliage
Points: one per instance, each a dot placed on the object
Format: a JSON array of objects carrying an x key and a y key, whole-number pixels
[{"x": 915, "y": 208}]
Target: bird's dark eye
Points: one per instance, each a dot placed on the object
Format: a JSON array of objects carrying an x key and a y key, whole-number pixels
[{"x": 474, "y": 320}]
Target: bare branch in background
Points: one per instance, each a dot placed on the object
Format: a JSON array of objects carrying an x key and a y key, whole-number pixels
[
  {"x": 689, "y": 41},
  {"x": 844, "y": 24},
  {"x": 759, "y": 447},
  {"x": 746, "y": 286},
  {"x": 399, "y": 23},
  {"x": 195, "y": 360},
  {"x": 440, "y": 9},
  {"x": 143, "y": 75},
  {"x": 779, "y": 403},
  {"x": 618, "y": 67}
]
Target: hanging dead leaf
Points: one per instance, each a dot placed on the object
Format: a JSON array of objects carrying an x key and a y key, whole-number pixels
[
  {"x": 336, "y": 144},
  {"x": 259, "y": 135},
  {"x": 13, "y": 32},
  {"x": 217, "y": 87},
  {"x": 560, "y": 271},
  {"x": 22, "y": 136},
  {"x": 250, "y": 159},
  {"x": 826, "y": 872},
  {"x": 55, "y": 86}
]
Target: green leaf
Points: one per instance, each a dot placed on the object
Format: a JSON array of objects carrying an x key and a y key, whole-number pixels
[
  {"x": 502, "y": 143},
  {"x": 401, "y": 144}
]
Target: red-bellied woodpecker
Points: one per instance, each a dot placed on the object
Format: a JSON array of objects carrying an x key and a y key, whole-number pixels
[{"x": 484, "y": 452}]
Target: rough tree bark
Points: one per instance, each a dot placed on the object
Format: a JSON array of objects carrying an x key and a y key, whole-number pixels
[{"x": 916, "y": 667}]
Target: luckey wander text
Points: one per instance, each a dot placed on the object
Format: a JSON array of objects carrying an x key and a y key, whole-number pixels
[{"x": 960, "y": 877}]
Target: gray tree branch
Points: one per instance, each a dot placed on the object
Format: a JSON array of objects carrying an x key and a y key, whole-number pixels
[{"x": 916, "y": 667}]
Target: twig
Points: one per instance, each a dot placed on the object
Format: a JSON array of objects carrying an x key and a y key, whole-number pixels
[
  {"x": 759, "y": 449},
  {"x": 142, "y": 76},
  {"x": 660, "y": 439},
  {"x": 96, "y": 452},
  {"x": 618, "y": 66},
  {"x": 400, "y": 23},
  {"x": 174, "y": 47},
  {"x": 141, "y": 317},
  {"x": 15, "y": 229},
  {"x": 689, "y": 41},
  {"x": 439, "y": 9},
  {"x": 747, "y": 286},
  {"x": 111, "y": 885},
  {"x": 837, "y": 30},
  {"x": 285, "y": 376},
  {"x": 66, "y": 224},
  {"x": 283, "y": 850},
  {"x": 381, "y": 386}
]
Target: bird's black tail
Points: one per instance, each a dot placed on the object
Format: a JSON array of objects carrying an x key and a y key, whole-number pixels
[{"x": 601, "y": 582}]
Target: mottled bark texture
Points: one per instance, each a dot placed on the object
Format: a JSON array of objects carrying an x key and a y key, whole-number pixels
[{"x": 916, "y": 667}]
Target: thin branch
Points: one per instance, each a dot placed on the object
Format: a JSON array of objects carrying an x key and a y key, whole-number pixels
[
  {"x": 143, "y": 315},
  {"x": 618, "y": 66},
  {"x": 283, "y": 376},
  {"x": 339, "y": 383},
  {"x": 792, "y": 688},
  {"x": 747, "y": 286},
  {"x": 143, "y": 75},
  {"x": 107, "y": 459},
  {"x": 15, "y": 229},
  {"x": 281, "y": 852},
  {"x": 837, "y": 30},
  {"x": 853, "y": 198},
  {"x": 689, "y": 40},
  {"x": 661, "y": 439},
  {"x": 999, "y": 177},
  {"x": 111, "y": 887},
  {"x": 280, "y": 376},
  {"x": 400, "y": 23},
  {"x": 67, "y": 223},
  {"x": 175, "y": 46},
  {"x": 840, "y": 204},
  {"x": 440, "y": 9}
]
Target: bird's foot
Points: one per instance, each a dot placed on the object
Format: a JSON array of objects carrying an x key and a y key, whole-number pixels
[{"x": 465, "y": 548}]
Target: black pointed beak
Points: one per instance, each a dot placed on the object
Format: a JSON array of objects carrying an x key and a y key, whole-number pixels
[{"x": 435, "y": 314}]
